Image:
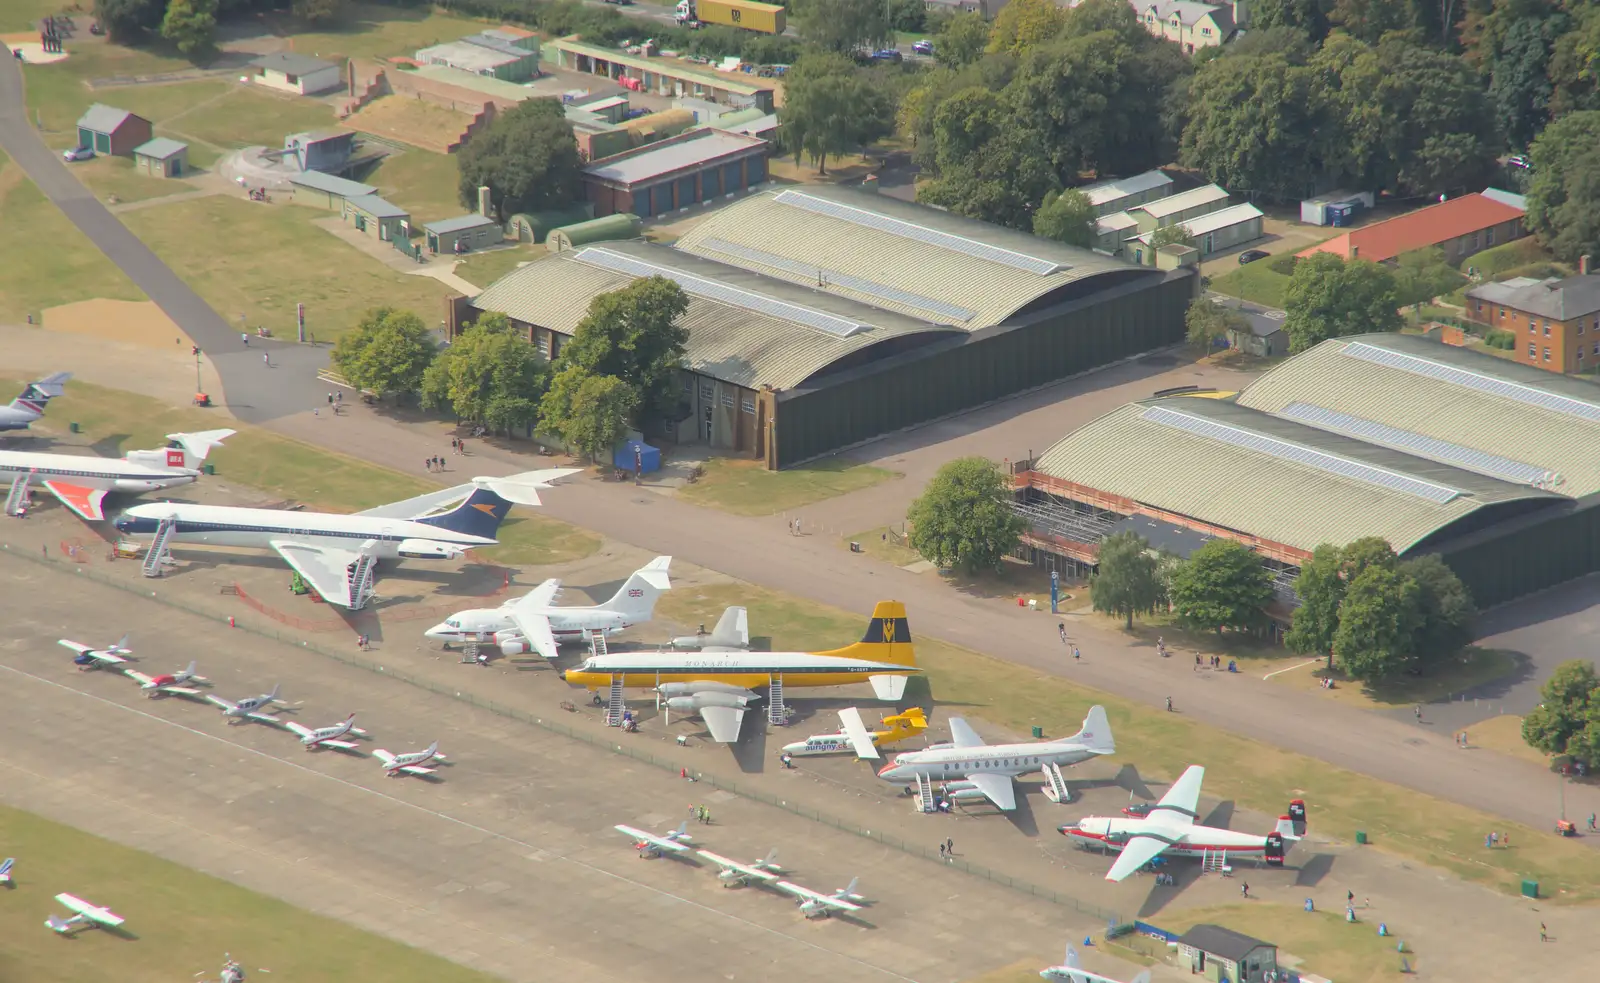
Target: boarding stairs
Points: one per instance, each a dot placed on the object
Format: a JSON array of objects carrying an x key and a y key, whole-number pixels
[
  {"x": 17, "y": 500},
  {"x": 616, "y": 706},
  {"x": 1215, "y": 862},
  {"x": 361, "y": 579},
  {"x": 777, "y": 710},
  {"x": 156, "y": 558},
  {"x": 1055, "y": 787},
  {"x": 597, "y": 641},
  {"x": 924, "y": 794}
]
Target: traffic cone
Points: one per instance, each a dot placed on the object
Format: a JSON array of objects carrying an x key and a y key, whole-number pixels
[
  {"x": 683, "y": 773},
  {"x": 230, "y": 621}
]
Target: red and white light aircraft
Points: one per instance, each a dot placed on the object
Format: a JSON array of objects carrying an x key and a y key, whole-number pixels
[
  {"x": 327, "y": 736},
  {"x": 168, "y": 683},
  {"x": 395, "y": 765},
  {"x": 651, "y": 845}
]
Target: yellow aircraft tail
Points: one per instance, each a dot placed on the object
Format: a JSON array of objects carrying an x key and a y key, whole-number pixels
[
  {"x": 901, "y": 726},
  {"x": 888, "y": 638}
]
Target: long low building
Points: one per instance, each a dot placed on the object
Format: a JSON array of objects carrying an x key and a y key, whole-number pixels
[{"x": 1435, "y": 449}]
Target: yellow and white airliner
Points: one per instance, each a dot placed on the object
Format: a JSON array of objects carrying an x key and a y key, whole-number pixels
[{"x": 719, "y": 685}]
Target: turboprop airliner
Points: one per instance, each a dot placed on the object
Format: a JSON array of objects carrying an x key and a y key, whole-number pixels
[
  {"x": 533, "y": 623},
  {"x": 30, "y": 405},
  {"x": 854, "y": 736},
  {"x": 718, "y": 685},
  {"x": 323, "y": 547},
  {"x": 82, "y": 482}
]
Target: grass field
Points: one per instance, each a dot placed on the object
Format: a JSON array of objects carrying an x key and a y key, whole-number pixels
[
  {"x": 424, "y": 183},
  {"x": 246, "y": 116},
  {"x": 179, "y": 921},
  {"x": 748, "y": 488},
  {"x": 289, "y": 261},
  {"x": 875, "y": 543},
  {"x": 1504, "y": 734},
  {"x": 376, "y": 31},
  {"x": 1329, "y": 946},
  {"x": 485, "y": 268},
  {"x": 1255, "y": 282},
  {"x": 533, "y": 540},
  {"x": 116, "y": 176},
  {"x": 58, "y": 93},
  {"x": 53, "y": 263},
  {"x": 1256, "y": 776}
]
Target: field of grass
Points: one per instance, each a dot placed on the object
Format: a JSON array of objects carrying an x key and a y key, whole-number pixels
[
  {"x": 533, "y": 540},
  {"x": 748, "y": 488},
  {"x": 53, "y": 263},
  {"x": 116, "y": 177},
  {"x": 421, "y": 124},
  {"x": 179, "y": 921},
  {"x": 1504, "y": 734},
  {"x": 1256, "y": 776},
  {"x": 876, "y": 543},
  {"x": 246, "y": 116},
  {"x": 1329, "y": 946},
  {"x": 379, "y": 31},
  {"x": 1496, "y": 260},
  {"x": 287, "y": 261},
  {"x": 485, "y": 268},
  {"x": 1256, "y": 282},
  {"x": 58, "y": 93},
  {"x": 422, "y": 182}
]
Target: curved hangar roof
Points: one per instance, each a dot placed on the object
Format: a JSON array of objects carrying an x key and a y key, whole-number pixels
[
  {"x": 1514, "y": 422},
  {"x": 922, "y": 262},
  {"x": 744, "y": 328},
  {"x": 1273, "y": 478}
]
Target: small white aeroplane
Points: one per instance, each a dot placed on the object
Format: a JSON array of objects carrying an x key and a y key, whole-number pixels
[
  {"x": 395, "y": 765},
  {"x": 247, "y": 708},
  {"x": 5, "y": 870},
  {"x": 30, "y": 405},
  {"x": 652, "y": 845},
  {"x": 168, "y": 683},
  {"x": 854, "y": 736},
  {"x": 93, "y": 658},
  {"x": 1170, "y": 827},
  {"x": 815, "y": 904},
  {"x": 735, "y": 874},
  {"x": 84, "y": 915},
  {"x": 732, "y": 634},
  {"x": 1071, "y": 971},
  {"x": 82, "y": 482},
  {"x": 327, "y": 736},
  {"x": 533, "y": 622}
]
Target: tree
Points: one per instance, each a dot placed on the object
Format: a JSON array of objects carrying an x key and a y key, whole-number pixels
[
  {"x": 1207, "y": 322},
  {"x": 1222, "y": 585},
  {"x": 1021, "y": 24},
  {"x": 1567, "y": 720},
  {"x": 126, "y": 20},
  {"x": 1308, "y": 18},
  {"x": 1446, "y": 606},
  {"x": 1125, "y": 582},
  {"x": 491, "y": 375},
  {"x": 527, "y": 157},
  {"x": 1067, "y": 217},
  {"x": 1378, "y": 624},
  {"x": 962, "y": 41},
  {"x": 388, "y": 352},
  {"x": 988, "y": 166},
  {"x": 843, "y": 26},
  {"x": 1329, "y": 297},
  {"x": 190, "y": 25},
  {"x": 1172, "y": 235},
  {"x": 590, "y": 412},
  {"x": 1423, "y": 274},
  {"x": 1564, "y": 196},
  {"x": 1253, "y": 125},
  {"x": 830, "y": 107},
  {"x": 964, "y": 518},
  {"x": 635, "y": 334},
  {"x": 1320, "y": 588},
  {"x": 317, "y": 11}
]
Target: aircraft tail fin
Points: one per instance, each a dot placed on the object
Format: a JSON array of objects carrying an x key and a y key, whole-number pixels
[
  {"x": 1096, "y": 732},
  {"x": 57, "y": 924},
  {"x": 10, "y": 862},
  {"x": 887, "y": 639},
  {"x": 1072, "y": 961},
  {"x": 849, "y": 893},
  {"x": 193, "y": 664},
  {"x": 637, "y": 598},
  {"x": 120, "y": 645},
  {"x": 186, "y": 450},
  {"x": 36, "y": 394},
  {"x": 732, "y": 630},
  {"x": 771, "y": 859},
  {"x": 432, "y": 750},
  {"x": 1143, "y": 977},
  {"x": 1285, "y": 828},
  {"x": 272, "y": 696}
]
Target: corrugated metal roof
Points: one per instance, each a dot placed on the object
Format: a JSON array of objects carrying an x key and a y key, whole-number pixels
[
  {"x": 377, "y": 207},
  {"x": 705, "y": 147},
  {"x": 460, "y": 223},
  {"x": 894, "y": 256},
  {"x": 672, "y": 68},
  {"x": 1506, "y": 198},
  {"x": 1193, "y": 198},
  {"x": 290, "y": 63},
  {"x": 160, "y": 148},
  {"x": 1213, "y": 221},
  {"x": 1455, "y": 412},
  {"x": 1262, "y": 491},
  {"x": 730, "y": 343},
  {"x": 469, "y": 56},
  {"x": 343, "y": 187},
  {"x": 101, "y": 118},
  {"x": 1105, "y": 192},
  {"x": 1115, "y": 222}
]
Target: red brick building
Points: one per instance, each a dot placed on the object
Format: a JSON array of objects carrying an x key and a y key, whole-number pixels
[{"x": 1556, "y": 322}]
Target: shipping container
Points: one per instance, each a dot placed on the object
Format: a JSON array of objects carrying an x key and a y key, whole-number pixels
[{"x": 766, "y": 18}]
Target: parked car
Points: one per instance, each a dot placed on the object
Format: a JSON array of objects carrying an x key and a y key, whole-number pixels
[
  {"x": 1251, "y": 255},
  {"x": 77, "y": 153},
  {"x": 888, "y": 54},
  {"x": 923, "y": 47},
  {"x": 1520, "y": 160}
]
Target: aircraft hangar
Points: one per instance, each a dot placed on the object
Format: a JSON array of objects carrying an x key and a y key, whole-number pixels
[{"x": 1436, "y": 449}]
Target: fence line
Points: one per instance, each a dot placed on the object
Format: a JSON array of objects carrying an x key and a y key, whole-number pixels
[{"x": 604, "y": 742}]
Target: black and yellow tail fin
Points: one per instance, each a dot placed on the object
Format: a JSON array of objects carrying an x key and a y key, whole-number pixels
[{"x": 888, "y": 637}]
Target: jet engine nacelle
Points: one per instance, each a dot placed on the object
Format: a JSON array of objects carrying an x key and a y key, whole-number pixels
[
  {"x": 687, "y": 689},
  {"x": 697, "y": 701},
  {"x": 428, "y": 549},
  {"x": 134, "y": 486},
  {"x": 513, "y": 646}
]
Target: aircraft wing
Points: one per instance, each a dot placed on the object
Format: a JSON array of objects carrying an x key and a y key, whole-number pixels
[
  {"x": 138, "y": 677},
  {"x": 1139, "y": 851},
  {"x": 95, "y": 913},
  {"x": 519, "y": 489},
  {"x": 299, "y": 730},
  {"x": 541, "y": 596},
  {"x": 87, "y": 502},
  {"x": 733, "y": 628},
  {"x": 745, "y": 869},
  {"x": 1182, "y": 800},
  {"x": 352, "y": 746},
  {"x": 326, "y": 570},
  {"x": 996, "y": 788},
  {"x": 723, "y": 722},
  {"x": 659, "y": 842},
  {"x": 962, "y": 734},
  {"x": 534, "y": 626},
  {"x": 267, "y": 718},
  {"x": 806, "y": 894},
  {"x": 218, "y": 701},
  {"x": 185, "y": 690},
  {"x": 856, "y": 731}
]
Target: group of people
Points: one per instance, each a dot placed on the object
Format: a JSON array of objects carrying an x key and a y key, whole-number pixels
[
  {"x": 1495, "y": 839},
  {"x": 435, "y": 463},
  {"x": 700, "y": 814}
]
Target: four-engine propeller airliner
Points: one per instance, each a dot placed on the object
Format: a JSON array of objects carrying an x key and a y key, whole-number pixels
[
  {"x": 29, "y": 406},
  {"x": 82, "y": 482}
]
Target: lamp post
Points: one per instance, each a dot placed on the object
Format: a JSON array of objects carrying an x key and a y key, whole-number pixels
[{"x": 197, "y": 386}]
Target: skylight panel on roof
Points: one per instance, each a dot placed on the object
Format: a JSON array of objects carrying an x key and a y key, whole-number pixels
[
  {"x": 1300, "y": 454},
  {"x": 883, "y": 291},
  {"x": 908, "y": 230},
  {"x": 1421, "y": 444},
  {"x": 1473, "y": 380},
  {"x": 721, "y": 292}
]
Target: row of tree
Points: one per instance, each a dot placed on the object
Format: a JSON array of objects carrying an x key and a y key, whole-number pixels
[
  {"x": 617, "y": 371},
  {"x": 190, "y": 25}
]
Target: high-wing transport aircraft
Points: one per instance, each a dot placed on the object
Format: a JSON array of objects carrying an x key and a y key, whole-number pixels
[
  {"x": 1171, "y": 828},
  {"x": 395, "y": 765},
  {"x": 84, "y": 915},
  {"x": 1071, "y": 971},
  {"x": 732, "y": 634},
  {"x": 718, "y": 685},
  {"x": 248, "y": 708},
  {"x": 651, "y": 845},
  {"x": 732, "y": 873},
  {"x": 335, "y": 553},
  {"x": 82, "y": 483},
  {"x": 854, "y": 736},
  {"x": 93, "y": 658},
  {"x": 168, "y": 683},
  {"x": 972, "y": 770},
  {"x": 29, "y": 406},
  {"x": 533, "y": 623},
  {"x": 815, "y": 904},
  {"x": 327, "y": 736}
]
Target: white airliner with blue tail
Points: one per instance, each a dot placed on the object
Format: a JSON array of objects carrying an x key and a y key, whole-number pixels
[{"x": 29, "y": 406}]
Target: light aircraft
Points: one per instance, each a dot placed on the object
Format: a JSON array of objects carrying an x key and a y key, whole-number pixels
[
  {"x": 327, "y": 736},
  {"x": 735, "y": 874},
  {"x": 651, "y": 845},
  {"x": 323, "y": 547},
  {"x": 732, "y": 634},
  {"x": 82, "y": 483},
  {"x": 815, "y": 904},
  {"x": 246, "y": 709},
  {"x": 85, "y": 915},
  {"x": 717, "y": 685},
  {"x": 854, "y": 735},
  {"x": 395, "y": 765},
  {"x": 532, "y": 623},
  {"x": 1071, "y": 971},
  {"x": 168, "y": 682},
  {"x": 1170, "y": 828},
  {"x": 5, "y": 870},
  {"x": 30, "y": 405},
  {"x": 93, "y": 658},
  {"x": 972, "y": 770}
]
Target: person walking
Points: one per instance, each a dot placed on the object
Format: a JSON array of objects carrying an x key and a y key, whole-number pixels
[
  {"x": 1196, "y": 662},
  {"x": 266, "y": 359},
  {"x": 1244, "y": 889},
  {"x": 1544, "y": 933},
  {"x": 1349, "y": 899},
  {"x": 941, "y": 851},
  {"x": 1169, "y": 703},
  {"x": 244, "y": 338},
  {"x": 441, "y": 462},
  {"x": 1591, "y": 820},
  {"x": 1061, "y": 629},
  {"x": 950, "y": 847},
  {"x": 1076, "y": 655},
  {"x": 1418, "y": 711}
]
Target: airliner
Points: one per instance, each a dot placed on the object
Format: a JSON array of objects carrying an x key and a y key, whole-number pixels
[
  {"x": 30, "y": 405},
  {"x": 323, "y": 547},
  {"x": 82, "y": 482}
]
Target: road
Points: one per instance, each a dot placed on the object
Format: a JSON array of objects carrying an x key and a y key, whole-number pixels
[{"x": 665, "y": 14}]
